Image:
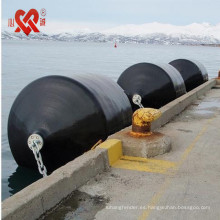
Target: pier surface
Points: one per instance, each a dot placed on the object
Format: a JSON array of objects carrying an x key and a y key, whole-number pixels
[{"x": 181, "y": 184}]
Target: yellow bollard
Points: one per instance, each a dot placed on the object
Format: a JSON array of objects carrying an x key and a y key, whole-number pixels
[{"x": 141, "y": 121}]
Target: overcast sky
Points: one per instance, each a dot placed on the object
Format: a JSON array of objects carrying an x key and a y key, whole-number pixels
[{"x": 110, "y": 13}]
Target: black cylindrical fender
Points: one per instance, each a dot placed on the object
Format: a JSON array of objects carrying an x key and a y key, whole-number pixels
[
  {"x": 192, "y": 71},
  {"x": 70, "y": 114},
  {"x": 156, "y": 84}
]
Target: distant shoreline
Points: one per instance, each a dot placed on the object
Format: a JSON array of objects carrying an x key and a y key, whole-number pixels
[
  {"x": 211, "y": 45},
  {"x": 160, "y": 44},
  {"x": 96, "y": 37}
]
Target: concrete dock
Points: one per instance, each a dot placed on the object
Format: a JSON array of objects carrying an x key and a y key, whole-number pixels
[{"x": 183, "y": 183}]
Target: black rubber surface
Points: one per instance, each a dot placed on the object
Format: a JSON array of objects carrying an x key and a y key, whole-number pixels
[
  {"x": 70, "y": 114},
  {"x": 192, "y": 71},
  {"x": 156, "y": 84}
]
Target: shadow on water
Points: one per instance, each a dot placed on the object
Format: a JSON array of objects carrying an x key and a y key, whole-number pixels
[{"x": 21, "y": 178}]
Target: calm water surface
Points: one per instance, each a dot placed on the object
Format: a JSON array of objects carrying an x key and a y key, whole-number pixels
[{"x": 25, "y": 61}]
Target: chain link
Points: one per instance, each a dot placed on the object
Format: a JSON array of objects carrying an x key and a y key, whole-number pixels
[
  {"x": 137, "y": 100},
  {"x": 36, "y": 151}
]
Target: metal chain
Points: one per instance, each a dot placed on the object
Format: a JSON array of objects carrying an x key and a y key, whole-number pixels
[
  {"x": 137, "y": 100},
  {"x": 36, "y": 151}
]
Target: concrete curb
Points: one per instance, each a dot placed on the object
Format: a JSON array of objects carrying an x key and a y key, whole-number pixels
[
  {"x": 178, "y": 105},
  {"x": 37, "y": 198},
  {"x": 114, "y": 148}
]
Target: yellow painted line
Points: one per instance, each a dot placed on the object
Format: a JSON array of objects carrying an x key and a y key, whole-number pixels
[
  {"x": 156, "y": 198},
  {"x": 114, "y": 147},
  {"x": 144, "y": 164}
]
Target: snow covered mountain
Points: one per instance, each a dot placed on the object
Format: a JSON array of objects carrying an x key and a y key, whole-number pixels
[
  {"x": 195, "y": 29},
  {"x": 150, "y": 33}
]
